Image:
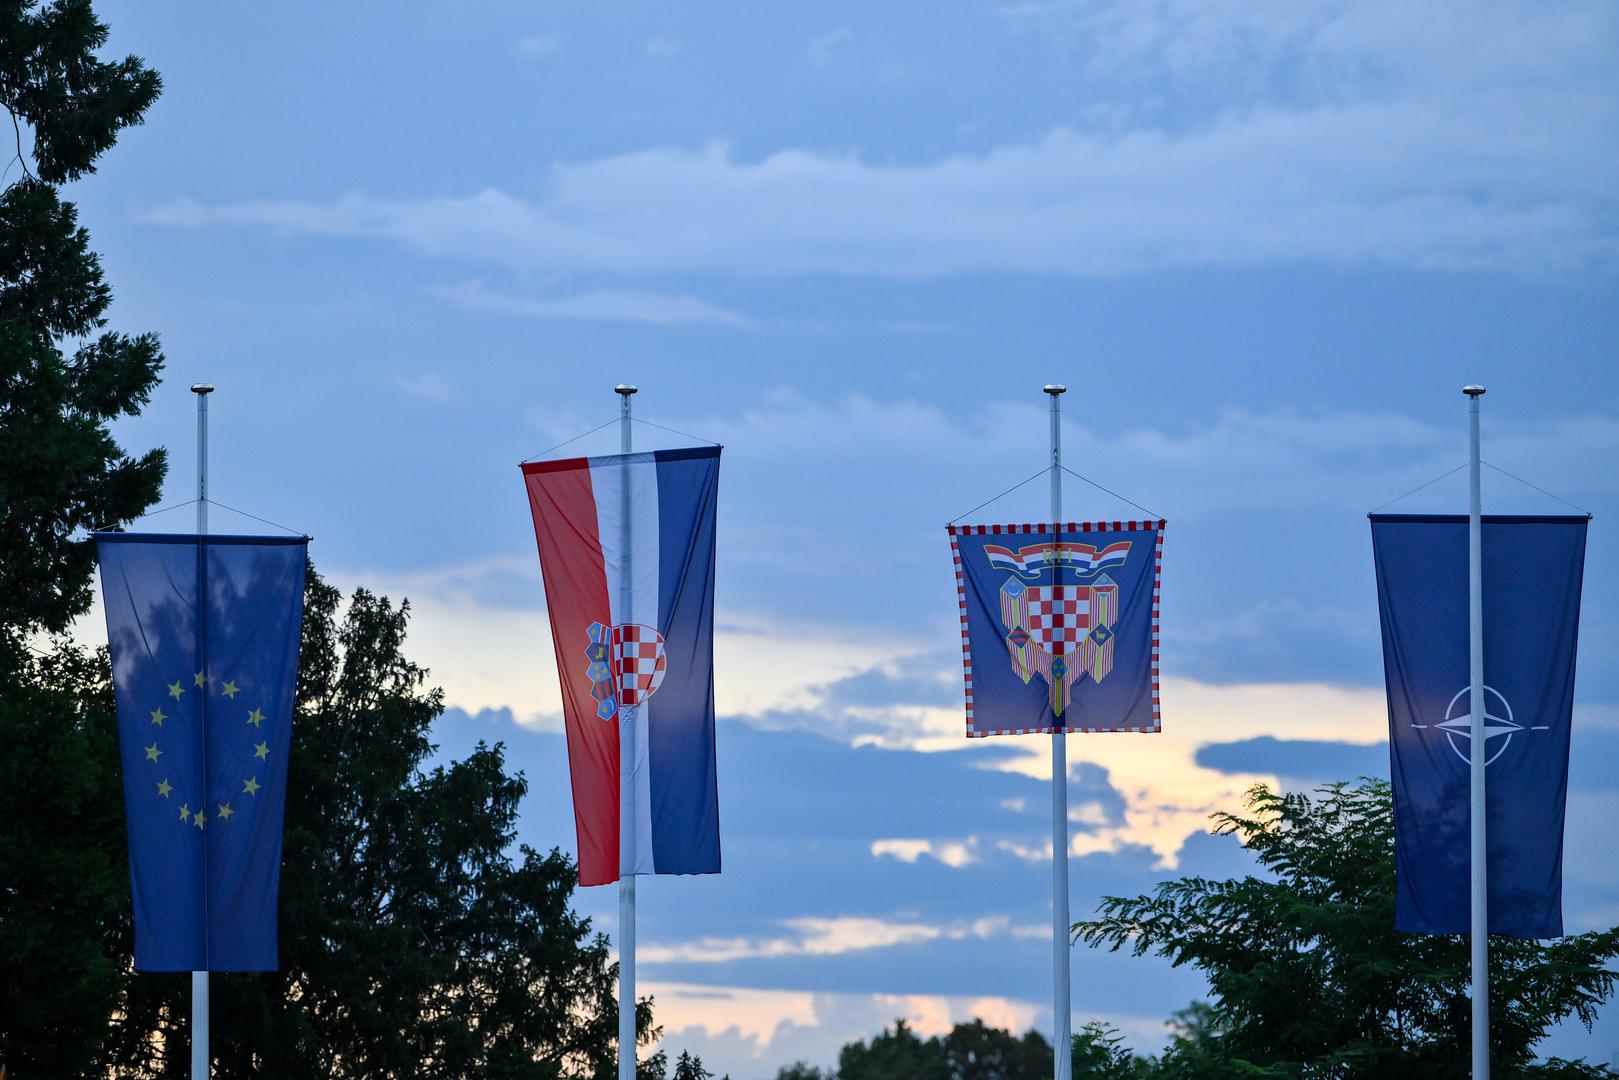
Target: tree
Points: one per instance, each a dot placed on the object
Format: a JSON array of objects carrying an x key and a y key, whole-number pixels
[
  {"x": 1310, "y": 977},
  {"x": 415, "y": 941},
  {"x": 64, "y": 473},
  {"x": 801, "y": 1070},
  {"x": 690, "y": 1067},
  {"x": 977, "y": 1051},
  {"x": 63, "y": 875},
  {"x": 894, "y": 1055}
]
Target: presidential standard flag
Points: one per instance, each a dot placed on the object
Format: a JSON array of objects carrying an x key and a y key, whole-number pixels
[
  {"x": 1059, "y": 625},
  {"x": 203, "y": 632},
  {"x": 634, "y": 633},
  {"x": 1532, "y": 568}
]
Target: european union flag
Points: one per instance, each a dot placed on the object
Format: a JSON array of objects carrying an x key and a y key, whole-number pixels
[
  {"x": 1532, "y": 570},
  {"x": 204, "y": 633}
]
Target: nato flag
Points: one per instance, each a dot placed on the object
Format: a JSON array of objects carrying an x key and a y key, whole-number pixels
[
  {"x": 203, "y": 632},
  {"x": 1532, "y": 572}
]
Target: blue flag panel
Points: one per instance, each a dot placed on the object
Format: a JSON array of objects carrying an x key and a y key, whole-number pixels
[
  {"x": 1532, "y": 570},
  {"x": 1059, "y": 625},
  {"x": 204, "y": 633}
]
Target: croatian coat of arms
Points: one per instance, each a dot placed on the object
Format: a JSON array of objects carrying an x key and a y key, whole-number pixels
[
  {"x": 626, "y": 665},
  {"x": 1062, "y": 631}
]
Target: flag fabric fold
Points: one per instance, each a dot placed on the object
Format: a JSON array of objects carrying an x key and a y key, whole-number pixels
[
  {"x": 626, "y": 547},
  {"x": 203, "y": 633},
  {"x": 1532, "y": 573},
  {"x": 1059, "y": 625}
]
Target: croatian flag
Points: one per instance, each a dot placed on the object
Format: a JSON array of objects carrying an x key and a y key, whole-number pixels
[{"x": 627, "y": 553}]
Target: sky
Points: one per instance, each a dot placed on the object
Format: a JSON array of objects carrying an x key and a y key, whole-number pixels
[{"x": 1263, "y": 243}]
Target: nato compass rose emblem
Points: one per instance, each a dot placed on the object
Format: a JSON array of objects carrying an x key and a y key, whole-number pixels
[
  {"x": 626, "y": 665},
  {"x": 1498, "y": 724}
]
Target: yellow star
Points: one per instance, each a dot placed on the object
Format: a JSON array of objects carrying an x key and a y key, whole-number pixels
[
  {"x": 231, "y": 690},
  {"x": 158, "y": 716},
  {"x": 261, "y": 750},
  {"x": 225, "y": 811},
  {"x": 200, "y": 679},
  {"x": 185, "y": 812},
  {"x": 153, "y": 753},
  {"x": 175, "y": 691},
  {"x": 255, "y": 718},
  {"x": 250, "y": 786},
  {"x": 198, "y": 818},
  {"x": 164, "y": 787}
]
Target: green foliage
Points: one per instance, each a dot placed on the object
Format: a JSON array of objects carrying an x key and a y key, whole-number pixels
[
  {"x": 1309, "y": 976},
  {"x": 52, "y": 81},
  {"x": 690, "y": 1067},
  {"x": 1099, "y": 1053},
  {"x": 64, "y": 879},
  {"x": 414, "y": 943},
  {"x": 971, "y": 1051},
  {"x": 976, "y": 1051},
  {"x": 64, "y": 876},
  {"x": 64, "y": 473},
  {"x": 894, "y": 1055},
  {"x": 800, "y": 1070}
]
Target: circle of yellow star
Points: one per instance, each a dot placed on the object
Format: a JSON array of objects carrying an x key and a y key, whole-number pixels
[
  {"x": 261, "y": 750},
  {"x": 250, "y": 786},
  {"x": 164, "y": 787},
  {"x": 230, "y": 689},
  {"x": 175, "y": 690},
  {"x": 225, "y": 811},
  {"x": 153, "y": 753},
  {"x": 158, "y": 716},
  {"x": 255, "y": 718}
]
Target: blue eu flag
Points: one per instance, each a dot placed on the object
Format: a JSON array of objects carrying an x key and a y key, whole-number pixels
[
  {"x": 1532, "y": 569},
  {"x": 204, "y": 632}
]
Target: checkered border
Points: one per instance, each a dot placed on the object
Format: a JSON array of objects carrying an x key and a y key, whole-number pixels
[{"x": 1047, "y": 528}]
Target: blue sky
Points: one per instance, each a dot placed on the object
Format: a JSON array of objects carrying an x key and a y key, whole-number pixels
[{"x": 1263, "y": 243}]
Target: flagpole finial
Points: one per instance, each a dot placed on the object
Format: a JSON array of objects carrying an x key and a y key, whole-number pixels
[
  {"x": 625, "y": 389},
  {"x": 1055, "y": 388},
  {"x": 1473, "y": 390},
  {"x": 202, "y": 388}
]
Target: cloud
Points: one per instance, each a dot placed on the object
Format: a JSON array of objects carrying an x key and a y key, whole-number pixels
[
  {"x": 536, "y": 46},
  {"x": 1298, "y": 760},
  {"x": 823, "y": 49},
  {"x": 821, "y": 936},
  {"x": 1390, "y": 184},
  {"x": 606, "y": 304},
  {"x": 429, "y": 385},
  {"x": 747, "y": 1031},
  {"x": 1322, "y": 132}
]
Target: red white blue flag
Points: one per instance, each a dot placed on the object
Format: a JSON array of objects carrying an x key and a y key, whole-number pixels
[
  {"x": 1059, "y": 625},
  {"x": 627, "y": 553}
]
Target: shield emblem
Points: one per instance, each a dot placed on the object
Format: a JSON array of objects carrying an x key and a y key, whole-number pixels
[
  {"x": 626, "y": 665},
  {"x": 1063, "y": 632}
]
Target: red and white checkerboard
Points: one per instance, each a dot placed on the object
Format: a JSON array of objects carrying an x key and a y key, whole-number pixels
[
  {"x": 638, "y": 662},
  {"x": 1059, "y": 614}
]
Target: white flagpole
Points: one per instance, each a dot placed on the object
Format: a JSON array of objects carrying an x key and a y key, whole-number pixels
[
  {"x": 199, "y": 979},
  {"x": 626, "y": 791},
  {"x": 1478, "y": 748},
  {"x": 1060, "y": 996}
]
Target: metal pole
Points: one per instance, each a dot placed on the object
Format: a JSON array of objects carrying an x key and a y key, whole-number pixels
[
  {"x": 1478, "y": 748},
  {"x": 1060, "y": 926},
  {"x": 626, "y": 788},
  {"x": 199, "y": 979}
]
